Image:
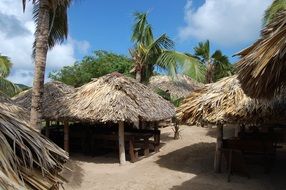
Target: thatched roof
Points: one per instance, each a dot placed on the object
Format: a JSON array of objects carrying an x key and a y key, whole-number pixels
[
  {"x": 179, "y": 87},
  {"x": 27, "y": 159},
  {"x": 225, "y": 102},
  {"x": 52, "y": 92},
  {"x": 114, "y": 98},
  {"x": 262, "y": 67}
]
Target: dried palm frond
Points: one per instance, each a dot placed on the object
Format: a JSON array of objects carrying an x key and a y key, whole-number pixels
[
  {"x": 262, "y": 67},
  {"x": 27, "y": 159}
]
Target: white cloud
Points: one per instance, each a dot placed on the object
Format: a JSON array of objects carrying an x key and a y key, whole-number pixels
[
  {"x": 226, "y": 22},
  {"x": 16, "y": 39}
]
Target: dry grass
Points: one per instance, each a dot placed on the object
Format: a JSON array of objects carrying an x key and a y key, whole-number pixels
[
  {"x": 225, "y": 102},
  {"x": 27, "y": 159},
  {"x": 262, "y": 66}
]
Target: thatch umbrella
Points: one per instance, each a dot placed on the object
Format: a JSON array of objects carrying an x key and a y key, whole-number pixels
[
  {"x": 179, "y": 87},
  {"x": 113, "y": 98},
  {"x": 262, "y": 67},
  {"x": 225, "y": 102},
  {"x": 27, "y": 160},
  {"x": 52, "y": 92}
]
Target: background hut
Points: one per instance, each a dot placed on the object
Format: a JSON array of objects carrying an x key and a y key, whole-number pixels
[
  {"x": 27, "y": 160},
  {"x": 52, "y": 92},
  {"x": 225, "y": 102},
  {"x": 179, "y": 87},
  {"x": 112, "y": 98},
  {"x": 262, "y": 67}
]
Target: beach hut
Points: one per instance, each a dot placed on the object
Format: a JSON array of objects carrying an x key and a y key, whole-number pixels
[
  {"x": 262, "y": 67},
  {"x": 225, "y": 102},
  {"x": 27, "y": 159},
  {"x": 112, "y": 98},
  {"x": 179, "y": 87}
]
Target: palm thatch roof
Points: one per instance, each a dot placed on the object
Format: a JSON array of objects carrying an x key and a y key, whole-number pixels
[
  {"x": 27, "y": 159},
  {"x": 52, "y": 92},
  {"x": 179, "y": 87},
  {"x": 113, "y": 98},
  {"x": 225, "y": 102},
  {"x": 262, "y": 67}
]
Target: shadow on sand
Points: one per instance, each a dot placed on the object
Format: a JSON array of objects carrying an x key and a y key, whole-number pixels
[{"x": 198, "y": 159}]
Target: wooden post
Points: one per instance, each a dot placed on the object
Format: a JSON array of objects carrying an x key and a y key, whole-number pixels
[
  {"x": 66, "y": 136},
  {"x": 218, "y": 152},
  {"x": 122, "y": 157},
  {"x": 47, "y": 129}
]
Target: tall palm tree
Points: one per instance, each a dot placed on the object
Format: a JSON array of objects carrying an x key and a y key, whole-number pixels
[
  {"x": 202, "y": 66},
  {"x": 276, "y": 6},
  {"x": 51, "y": 27},
  {"x": 146, "y": 49},
  {"x": 6, "y": 87}
]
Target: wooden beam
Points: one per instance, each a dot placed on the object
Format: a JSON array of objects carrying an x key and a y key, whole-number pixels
[
  {"x": 47, "y": 129},
  {"x": 66, "y": 136},
  {"x": 218, "y": 152},
  {"x": 122, "y": 157}
]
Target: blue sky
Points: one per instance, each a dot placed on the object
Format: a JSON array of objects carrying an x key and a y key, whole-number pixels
[{"x": 230, "y": 25}]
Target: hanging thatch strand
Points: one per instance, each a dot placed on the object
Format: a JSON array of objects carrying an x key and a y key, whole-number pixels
[
  {"x": 113, "y": 98},
  {"x": 27, "y": 159},
  {"x": 262, "y": 67},
  {"x": 52, "y": 92},
  {"x": 179, "y": 87},
  {"x": 225, "y": 102}
]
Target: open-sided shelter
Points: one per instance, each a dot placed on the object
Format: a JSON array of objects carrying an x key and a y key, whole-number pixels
[{"x": 112, "y": 98}]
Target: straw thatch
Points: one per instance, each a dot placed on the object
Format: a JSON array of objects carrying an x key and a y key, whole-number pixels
[
  {"x": 180, "y": 87},
  {"x": 114, "y": 98},
  {"x": 262, "y": 67},
  {"x": 224, "y": 102},
  {"x": 52, "y": 92},
  {"x": 27, "y": 160}
]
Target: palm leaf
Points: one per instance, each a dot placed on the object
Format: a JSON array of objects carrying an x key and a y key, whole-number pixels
[
  {"x": 272, "y": 10},
  {"x": 5, "y": 66},
  {"x": 8, "y": 88}
]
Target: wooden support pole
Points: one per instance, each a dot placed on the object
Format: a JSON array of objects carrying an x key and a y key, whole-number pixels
[
  {"x": 218, "y": 152},
  {"x": 122, "y": 157},
  {"x": 47, "y": 129},
  {"x": 66, "y": 136}
]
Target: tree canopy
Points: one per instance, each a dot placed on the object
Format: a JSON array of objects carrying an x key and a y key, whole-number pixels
[{"x": 96, "y": 65}]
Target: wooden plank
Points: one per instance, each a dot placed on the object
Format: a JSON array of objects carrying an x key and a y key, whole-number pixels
[
  {"x": 218, "y": 152},
  {"x": 66, "y": 136},
  {"x": 122, "y": 157}
]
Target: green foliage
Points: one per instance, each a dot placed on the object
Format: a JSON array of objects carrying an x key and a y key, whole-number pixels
[
  {"x": 94, "y": 66},
  {"x": 273, "y": 9},
  {"x": 5, "y": 66},
  {"x": 166, "y": 95}
]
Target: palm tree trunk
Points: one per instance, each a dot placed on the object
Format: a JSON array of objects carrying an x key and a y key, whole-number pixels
[
  {"x": 138, "y": 74},
  {"x": 41, "y": 50},
  {"x": 209, "y": 73}
]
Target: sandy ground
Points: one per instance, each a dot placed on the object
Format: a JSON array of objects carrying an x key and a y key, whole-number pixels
[{"x": 184, "y": 164}]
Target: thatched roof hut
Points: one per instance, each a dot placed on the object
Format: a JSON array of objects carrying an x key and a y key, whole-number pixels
[
  {"x": 27, "y": 160},
  {"x": 225, "y": 102},
  {"x": 179, "y": 87},
  {"x": 52, "y": 92},
  {"x": 114, "y": 98},
  {"x": 262, "y": 67}
]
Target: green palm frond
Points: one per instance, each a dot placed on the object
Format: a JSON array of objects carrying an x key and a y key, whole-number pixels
[
  {"x": 5, "y": 66},
  {"x": 8, "y": 88},
  {"x": 142, "y": 30},
  {"x": 272, "y": 10},
  {"x": 202, "y": 51},
  {"x": 190, "y": 65}
]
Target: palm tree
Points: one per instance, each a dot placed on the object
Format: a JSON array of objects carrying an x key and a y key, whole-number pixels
[
  {"x": 6, "y": 87},
  {"x": 202, "y": 66},
  {"x": 146, "y": 49},
  {"x": 51, "y": 28},
  {"x": 276, "y": 6}
]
